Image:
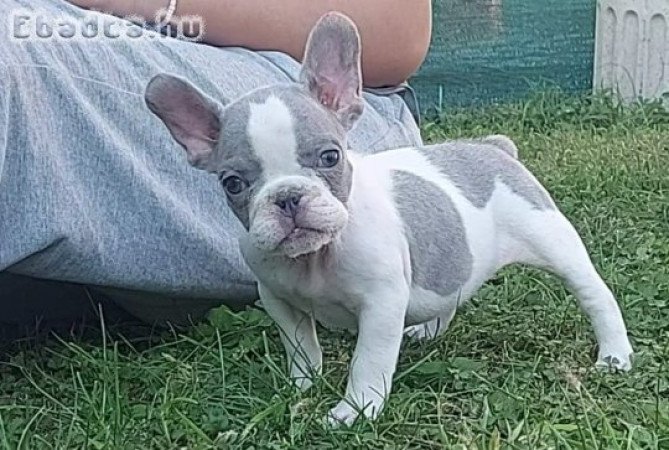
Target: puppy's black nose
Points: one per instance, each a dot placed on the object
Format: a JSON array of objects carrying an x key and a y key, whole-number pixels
[{"x": 289, "y": 203}]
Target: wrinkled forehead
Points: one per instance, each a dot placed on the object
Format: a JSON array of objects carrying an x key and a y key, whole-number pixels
[{"x": 272, "y": 130}]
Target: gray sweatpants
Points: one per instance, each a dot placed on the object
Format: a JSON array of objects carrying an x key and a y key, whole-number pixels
[{"x": 94, "y": 191}]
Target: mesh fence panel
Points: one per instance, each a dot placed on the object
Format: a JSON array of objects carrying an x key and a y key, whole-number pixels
[{"x": 486, "y": 51}]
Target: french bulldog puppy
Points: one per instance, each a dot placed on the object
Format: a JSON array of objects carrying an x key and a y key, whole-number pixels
[{"x": 385, "y": 244}]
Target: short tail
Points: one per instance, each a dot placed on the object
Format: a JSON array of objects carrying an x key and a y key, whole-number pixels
[{"x": 504, "y": 143}]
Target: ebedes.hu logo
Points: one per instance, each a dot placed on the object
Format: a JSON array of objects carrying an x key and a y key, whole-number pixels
[{"x": 31, "y": 25}]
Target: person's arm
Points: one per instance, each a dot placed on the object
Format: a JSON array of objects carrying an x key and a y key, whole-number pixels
[{"x": 395, "y": 33}]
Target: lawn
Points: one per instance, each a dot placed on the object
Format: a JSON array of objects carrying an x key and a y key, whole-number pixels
[{"x": 515, "y": 370}]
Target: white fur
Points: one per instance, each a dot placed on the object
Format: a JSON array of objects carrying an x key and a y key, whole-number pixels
[
  {"x": 364, "y": 282},
  {"x": 272, "y": 135}
]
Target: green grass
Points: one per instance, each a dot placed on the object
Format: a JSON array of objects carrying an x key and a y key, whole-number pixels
[{"x": 514, "y": 370}]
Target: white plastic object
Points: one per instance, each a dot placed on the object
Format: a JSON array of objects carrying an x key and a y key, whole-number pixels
[{"x": 632, "y": 48}]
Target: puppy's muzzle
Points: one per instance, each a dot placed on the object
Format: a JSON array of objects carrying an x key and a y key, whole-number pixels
[
  {"x": 289, "y": 203},
  {"x": 295, "y": 216}
]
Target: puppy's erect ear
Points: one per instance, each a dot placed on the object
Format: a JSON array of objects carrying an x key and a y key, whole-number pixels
[
  {"x": 191, "y": 116},
  {"x": 331, "y": 67}
]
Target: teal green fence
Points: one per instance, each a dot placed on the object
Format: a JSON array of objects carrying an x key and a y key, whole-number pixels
[{"x": 486, "y": 51}]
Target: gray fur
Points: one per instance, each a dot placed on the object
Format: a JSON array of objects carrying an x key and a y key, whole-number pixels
[
  {"x": 317, "y": 129},
  {"x": 474, "y": 166},
  {"x": 191, "y": 116},
  {"x": 235, "y": 155},
  {"x": 440, "y": 258}
]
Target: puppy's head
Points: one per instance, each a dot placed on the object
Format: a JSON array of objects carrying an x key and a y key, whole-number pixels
[{"x": 279, "y": 151}]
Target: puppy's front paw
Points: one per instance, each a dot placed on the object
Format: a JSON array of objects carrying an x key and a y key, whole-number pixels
[
  {"x": 345, "y": 413},
  {"x": 615, "y": 362},
  {"x": 304, "y": 379},
  {"x": 342, "y": 414},
  {"x": 616, "y": 359},
  {"x": 302, "y": 383}
]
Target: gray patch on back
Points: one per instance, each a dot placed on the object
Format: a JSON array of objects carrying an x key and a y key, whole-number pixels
[
  {"x": 440, "y": 258},
  {"x": 474, "y": 166}
]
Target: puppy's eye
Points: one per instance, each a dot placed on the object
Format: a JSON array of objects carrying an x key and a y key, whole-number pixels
[
  {"x": 329, "y": 158},
  {"x": 234, "y": 185}
]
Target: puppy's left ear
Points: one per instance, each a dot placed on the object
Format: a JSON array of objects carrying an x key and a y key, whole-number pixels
[
  {"x": 191, "y": 117},
  {"x": 331, "y": 69}
]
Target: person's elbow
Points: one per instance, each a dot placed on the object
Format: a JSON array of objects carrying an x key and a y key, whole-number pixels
[{"x": 391, "y": 58}]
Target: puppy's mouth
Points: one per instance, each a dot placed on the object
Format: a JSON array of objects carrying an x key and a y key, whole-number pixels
[
  {"x": 301, "y": 233},
  {"x": 316, "y": 222},
  {"x": 304, "y": 240}
]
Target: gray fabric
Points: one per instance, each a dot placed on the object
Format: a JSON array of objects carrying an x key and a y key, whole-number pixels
[{"x": 93, "y": 190}]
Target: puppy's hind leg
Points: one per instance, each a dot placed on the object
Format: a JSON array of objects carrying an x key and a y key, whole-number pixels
[{"x": 555, "y": 245}]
